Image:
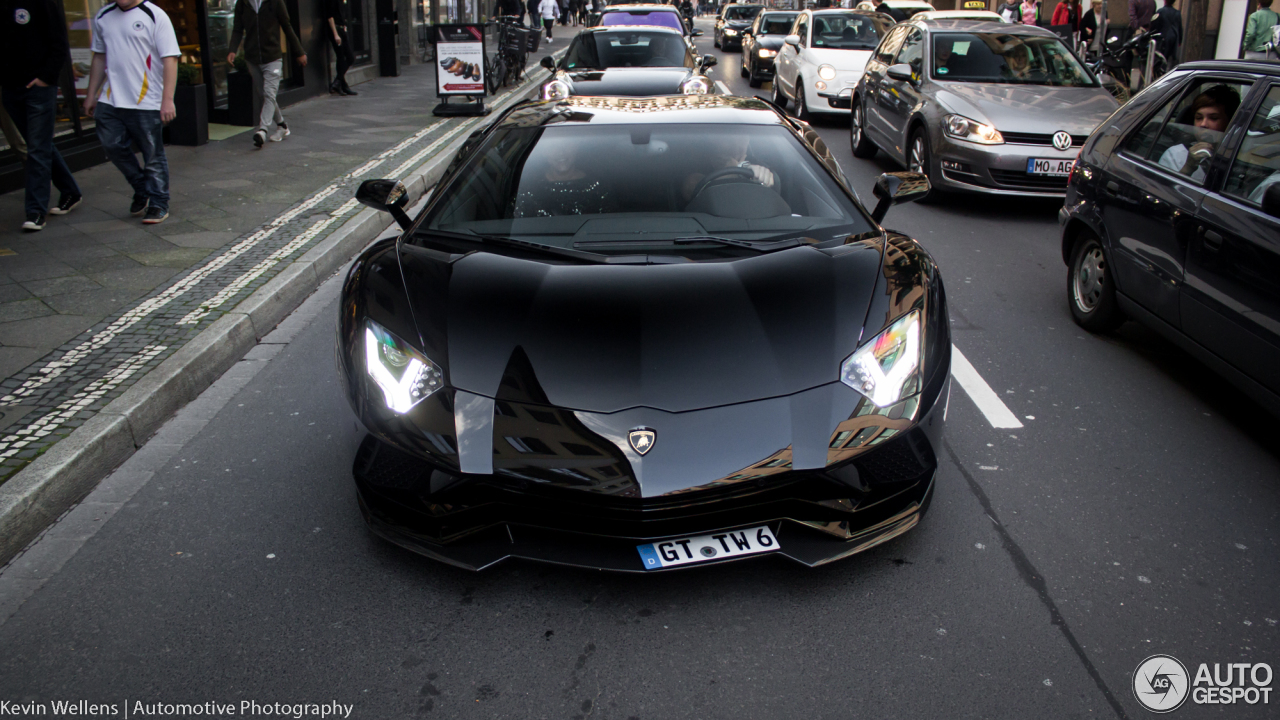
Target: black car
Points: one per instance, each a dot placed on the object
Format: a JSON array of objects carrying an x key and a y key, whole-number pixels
[
  {"x": 635, "y": 61},
  {"x": 760, "y": 44},
  {"x": 733, "y": 20},
  {"x": 1172, "y": 218},
  {"x": 637, "y": 333}
]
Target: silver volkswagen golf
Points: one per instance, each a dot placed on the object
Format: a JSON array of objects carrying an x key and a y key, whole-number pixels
[{"x": 978, "y": 106}]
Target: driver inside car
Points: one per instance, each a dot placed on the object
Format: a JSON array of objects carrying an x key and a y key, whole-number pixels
[{"x": 729, "y": 151}]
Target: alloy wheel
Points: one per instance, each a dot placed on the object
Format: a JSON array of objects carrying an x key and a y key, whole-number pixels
[
  {"x": 915, "y": 163},
  {"x": 855, "y": 128}
]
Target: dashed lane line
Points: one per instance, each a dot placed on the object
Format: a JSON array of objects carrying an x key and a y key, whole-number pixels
[
  {"x": 723, "y": 88},
  {"x": 980, "y": 392}
]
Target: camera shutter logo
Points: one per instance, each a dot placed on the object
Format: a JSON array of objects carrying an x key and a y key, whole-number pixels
[
  {"x": 1061, "y": 140},
  {"x": 21, "y": 16},
  {"x": 1161, "y": 683}
]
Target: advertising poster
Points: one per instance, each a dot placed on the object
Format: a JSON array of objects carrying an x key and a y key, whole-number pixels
[{"x": 459, "y": 60}]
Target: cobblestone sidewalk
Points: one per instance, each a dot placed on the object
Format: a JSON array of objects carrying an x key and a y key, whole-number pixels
[{"x": 97, "y": 299}]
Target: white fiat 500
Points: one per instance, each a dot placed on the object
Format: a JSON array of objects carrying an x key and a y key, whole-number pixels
[{"x": 824, "y": 54}]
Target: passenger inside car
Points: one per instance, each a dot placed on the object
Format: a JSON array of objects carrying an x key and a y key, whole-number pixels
[
  {"x": 567, "y": 190},
  {"x": 1202, "y": 125}
]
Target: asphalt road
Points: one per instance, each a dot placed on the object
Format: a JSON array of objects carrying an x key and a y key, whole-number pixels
[{"x": 1133, "y": 514}]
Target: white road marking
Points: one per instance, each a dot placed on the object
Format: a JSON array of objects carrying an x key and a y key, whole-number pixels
[
  {"x": 723, "y": 88},
  {"x": 980, "y": 392}
]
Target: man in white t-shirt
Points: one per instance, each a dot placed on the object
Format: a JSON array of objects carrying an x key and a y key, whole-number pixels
[{"x": 131, "y": 83}]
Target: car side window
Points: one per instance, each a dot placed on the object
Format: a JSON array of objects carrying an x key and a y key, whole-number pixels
[
  {"x": 802, "y": 29},
  {"x": 1183, "y": 135},
  {"x": 890, "y": 46},
  {"x": 912, "y": 52},
  {"x": 1256, "y": 165}
]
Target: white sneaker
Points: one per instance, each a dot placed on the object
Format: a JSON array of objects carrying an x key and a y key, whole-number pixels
[
  {"x": 259, "y": 138},
  {"x": 281, "y": 132}
]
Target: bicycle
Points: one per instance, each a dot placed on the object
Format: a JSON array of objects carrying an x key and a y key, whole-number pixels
[
  {"x": 1118, "y": 64},
  {"x": 506, "y": 66}
]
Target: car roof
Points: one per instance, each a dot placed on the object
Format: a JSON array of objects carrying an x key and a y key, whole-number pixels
[
  {"x": 943, "y": 24},
  {"x": 958, "y": 15},
  {"x": 629, "y": 28},
  {"x": 641, "y": 8},
  {"x": 670, "y": 109},
  {"x": 907, "y": 4},
  {"x": 1249, "y": 66},
  {"x": 843, "y": 11}
]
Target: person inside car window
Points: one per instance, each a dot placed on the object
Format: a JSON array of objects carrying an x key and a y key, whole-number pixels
[
  {"x": 728, "y": 151},
  {"x": 564, "y": 188},
  {"x": 1019, "y": 68},
  {"x": 1210, "y": 113}
]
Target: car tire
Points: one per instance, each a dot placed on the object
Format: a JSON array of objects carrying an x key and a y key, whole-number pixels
[
  {"x": 753, "y": 79},
  {"x": 715, "y": 40},
  {"x": 742, "y": 67},
  {"x": 779, "y": 98},
  {"x": 802, "y": 106},
  {"x": 858, "y": 141},
  {"x": 1091, "y": 292},
  {"x": 919, "y": 159}
]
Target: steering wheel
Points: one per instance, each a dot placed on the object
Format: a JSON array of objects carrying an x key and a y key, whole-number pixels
[{"x": 741, "y": 172}]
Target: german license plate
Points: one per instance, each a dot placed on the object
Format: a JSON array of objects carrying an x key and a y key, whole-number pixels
[
  {"x": 705, "y": 548},
  {"x": 1042, "y": 166}
]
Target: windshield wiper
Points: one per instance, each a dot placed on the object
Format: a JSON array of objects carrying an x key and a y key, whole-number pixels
[
  {"x": 474, "y": 237},
  {"x": 749, "y": 244}
]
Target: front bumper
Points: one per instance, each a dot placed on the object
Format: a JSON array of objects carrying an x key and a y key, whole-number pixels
[
  {"x": 996, "y": 169},
  {"x": 835, "y": 97},
  {"x": 870, "y": 491}
]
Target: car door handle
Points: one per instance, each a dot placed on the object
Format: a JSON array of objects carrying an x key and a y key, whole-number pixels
[
  {"x": 1113, "y": 187},
  {"x": 1212, "y": 240}
]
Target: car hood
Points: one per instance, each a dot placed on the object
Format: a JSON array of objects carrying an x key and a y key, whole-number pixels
[
  {"x": 1029, "y": 109},
  {"x": 773, "y": 42},
  {"x": 672, "y": 337},
  {"x": 641, "y": 81},
  {"x": 738, "y": 24}
]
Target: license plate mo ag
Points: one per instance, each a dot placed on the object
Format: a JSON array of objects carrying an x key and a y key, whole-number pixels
[
  {"x": 704, "y": 548},
  {"x": 1044, "y": 166}
]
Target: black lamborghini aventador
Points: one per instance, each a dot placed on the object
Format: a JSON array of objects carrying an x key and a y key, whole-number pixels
[{"x": 640, "y": 334}]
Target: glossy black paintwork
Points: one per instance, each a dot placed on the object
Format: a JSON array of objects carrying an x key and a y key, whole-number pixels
[
  {"x": 548, "y": 365},
  {"x": 1221, "y": 302}
]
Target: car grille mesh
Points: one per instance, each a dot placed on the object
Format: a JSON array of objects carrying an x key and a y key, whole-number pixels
[{"x": 1013, "y": 178}]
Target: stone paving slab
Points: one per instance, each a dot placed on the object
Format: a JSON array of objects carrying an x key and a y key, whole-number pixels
[{"x": 98, "y": 300}]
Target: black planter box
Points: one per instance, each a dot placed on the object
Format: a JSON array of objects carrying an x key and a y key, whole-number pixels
[
  {"x": 191, "y": 126},
  {"x": 240, "y": 99}
]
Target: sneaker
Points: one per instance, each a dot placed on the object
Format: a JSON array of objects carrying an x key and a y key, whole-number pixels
[
  {"x": 66, "y": 204},
  {"x": 155, "y": 215},
  {"x": 34, "y": 223},
  {"x": 259, "y": 138},
  {"x": 139, "y": 206},
  {"x": 282, "y": 132}
]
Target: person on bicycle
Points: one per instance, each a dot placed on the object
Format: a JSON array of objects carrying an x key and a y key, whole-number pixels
[{"x": 686, "y": 9}]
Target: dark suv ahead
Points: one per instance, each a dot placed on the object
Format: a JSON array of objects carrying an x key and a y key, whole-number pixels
[{"x": 1172, "y": 218}]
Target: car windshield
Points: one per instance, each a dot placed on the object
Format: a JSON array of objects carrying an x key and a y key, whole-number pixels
[
  {"x": 777, "y": 24},
  {"x": 742, "y": 12},
  {"x": 624, "y": 48},
  {"x": 650, "y": 188},
  {"x": 661, "y": 18},
  {"x": 1006, "y": 58},
  {"x": 848, "y": 32}
]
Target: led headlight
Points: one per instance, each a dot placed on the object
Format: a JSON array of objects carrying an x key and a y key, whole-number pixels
[
  {"x": 826, "y": 72},
  {"x": 887, "y": 368},
  {"x": 556, "y": 90},
  {"x": 958, "y": 126},
  {"x": 405, "y": 375},
  {"x": 730, "y": 32},
  {"x": 696, "y": 85},
  {"x": 767, "y": 53}
]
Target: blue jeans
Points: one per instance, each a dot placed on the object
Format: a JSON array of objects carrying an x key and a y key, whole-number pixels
[
  {"x": 32, "y": 110},
  {"x": 118, "y": 130}
]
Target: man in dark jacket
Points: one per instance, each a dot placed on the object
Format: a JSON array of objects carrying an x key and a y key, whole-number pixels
[
  {"x": 337, "y": 16},
  {"x": 1168, "y": 22},
  {"x": 259, "y": 23},
  {"x": 33, "y": 45}
]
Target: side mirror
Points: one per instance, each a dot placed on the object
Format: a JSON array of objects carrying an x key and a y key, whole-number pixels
[
  {"x": 709, "y": 61},
  {"x": 792, "y": 40},
  {"x": 1271, "y": 200},
  {"x": 387, "y": 196},
  {"x": 895, "y": 188},
  {"x": 548, "y": 62},
  {"x": 696, "y": 33},
  {"x": 901, "y": 71}
]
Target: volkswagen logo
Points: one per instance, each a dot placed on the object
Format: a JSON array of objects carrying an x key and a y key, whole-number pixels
[
  {"x": 1061, "y": 140},
  {"x": 642, "y": 439}
]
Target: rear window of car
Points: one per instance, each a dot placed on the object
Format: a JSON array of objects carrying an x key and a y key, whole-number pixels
[
  {"x": 777, "y": 24},
  {"x": 661, "y": 18},
  {"x": 625, "y": 49},
  {"x": 742, "y": 12}
]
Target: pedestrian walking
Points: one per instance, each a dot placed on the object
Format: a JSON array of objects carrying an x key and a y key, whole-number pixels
[
  {"x": 1089, "y": 25},
  {"x": 1168, "y": 22},
  {"x": 1030, "y": 9},
  {"x": 259, "y": 23},
  {"x": 1140, "y": 14},
  {"x": 535, "y": 20},
  {"x": 1010, "y": 12},
  {"x": 548, "y": 10},
  {"x": 131, "y": 82},
  {"x": 1258, "y": 31},
  {"x": 33, "y": 45},
  {"x": 337, "y": 14}
]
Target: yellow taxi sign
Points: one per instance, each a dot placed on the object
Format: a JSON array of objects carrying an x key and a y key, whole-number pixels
[{"x": 975, "y": 5}]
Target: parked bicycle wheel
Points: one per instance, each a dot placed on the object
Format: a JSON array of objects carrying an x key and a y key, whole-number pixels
[{"x": 494, "y": 71}]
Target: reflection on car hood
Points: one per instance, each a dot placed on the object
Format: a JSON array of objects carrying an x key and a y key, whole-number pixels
[
  {"x": 773, "y": 42},
  {"x": 677, "y": 337},
  {"x": 1029, "y": 108},
  {"x": 637, "y": 81}
]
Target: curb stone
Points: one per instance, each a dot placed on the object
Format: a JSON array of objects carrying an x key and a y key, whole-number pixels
[{"x": 36, "y": 496}]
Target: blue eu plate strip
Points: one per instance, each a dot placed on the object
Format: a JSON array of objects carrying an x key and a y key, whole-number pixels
[
  {"x": 649, "y": 557},
  {"x": 1031, "y": 165}
]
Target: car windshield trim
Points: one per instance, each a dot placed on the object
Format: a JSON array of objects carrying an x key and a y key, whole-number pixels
[{"x": 760, "y": 246}]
